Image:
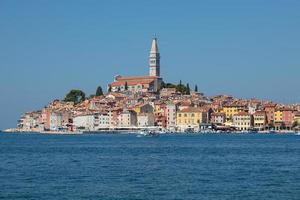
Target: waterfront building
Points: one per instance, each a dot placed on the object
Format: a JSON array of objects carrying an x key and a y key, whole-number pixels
[
  {"x": 56, "y": 121},
  {"x": 127, "y": 118},
  {"x": 160, "y": 114},
  {"x": 218, "y": 118},
  {"x": 150, "y": 83},
  {"x": 102, "y": 121},
  {"x": 287, "y": 117},
  {"x": 297, "y": 117},
  {"x": 231, "y": 109},
  {"x": 278, "y": 116},
  {"x": 171, "y": 110},
  {"x": 270, "y": 110},
  {"x": 242, "y": 121},
  {"x": 190, "y": 118},
  {"x": 84, "y": 122},
  {"x": 46, "y": 113},
  {"x": 259, "y": 120},
  {"x": 145, "y": 120},
  {"x": 30, "y": 121}
]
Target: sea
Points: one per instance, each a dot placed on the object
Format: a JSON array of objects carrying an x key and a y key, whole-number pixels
[{"x": 126, "y": 166}]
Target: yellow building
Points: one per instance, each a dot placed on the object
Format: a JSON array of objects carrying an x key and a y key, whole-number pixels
[
  {"x": 297, "y": 117},
  {"x": 260, "y": 120},
  {"x": 278, "y": 116},
  {"x": 190, "y": 118},
  {"x": 232, "y": 109}
]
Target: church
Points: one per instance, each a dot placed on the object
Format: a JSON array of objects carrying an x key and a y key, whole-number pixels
[{"x": 150, "y": 83}]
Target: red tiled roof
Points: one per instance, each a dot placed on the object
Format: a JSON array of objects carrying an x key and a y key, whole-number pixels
[
  {"x": 193, "y": 109},
  {"x": 118, "y": 95},
  {"x": 270, "y": 105},
  {"x": 131, "y": 82},
  {"x": 136, "y": 78}
]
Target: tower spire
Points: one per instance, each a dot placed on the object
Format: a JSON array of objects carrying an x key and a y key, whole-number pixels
[{"x": 154, "y": 58}]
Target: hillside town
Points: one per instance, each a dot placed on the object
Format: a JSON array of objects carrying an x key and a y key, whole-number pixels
[{"x": 139, "y": 102}]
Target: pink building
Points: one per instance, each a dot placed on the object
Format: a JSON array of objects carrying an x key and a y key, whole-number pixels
[{"x": 287, "y": 116}]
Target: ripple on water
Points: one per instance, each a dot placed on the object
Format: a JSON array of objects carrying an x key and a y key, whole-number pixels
[{"x": 167, "y": 167}]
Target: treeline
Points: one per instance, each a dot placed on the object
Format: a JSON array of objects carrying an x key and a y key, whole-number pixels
[
  {"x": 78, "y": 96},
  {"x": 183, "y": 89}
]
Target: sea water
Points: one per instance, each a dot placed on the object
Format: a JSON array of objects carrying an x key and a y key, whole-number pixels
[{"x": 106, "y": 166}]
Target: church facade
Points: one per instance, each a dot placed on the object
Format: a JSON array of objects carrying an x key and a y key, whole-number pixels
[{"x": 149, "y": 83}]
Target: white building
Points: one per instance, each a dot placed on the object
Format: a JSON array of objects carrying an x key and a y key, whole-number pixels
[
  {"x": 93, "y": 121},
  {"x": 56, "y": 121},
  {"x": 127, "y": 118},
  {"x": 30, "y": 121},
  {"x": 102, "y": 121},
  {"x": 84, "y": 122},
  {"x": 145, "y": 120},
  {"x": 242, "y": 121}
]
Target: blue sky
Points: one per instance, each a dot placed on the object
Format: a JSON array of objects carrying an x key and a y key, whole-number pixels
[{"x": 248, "y": 48}]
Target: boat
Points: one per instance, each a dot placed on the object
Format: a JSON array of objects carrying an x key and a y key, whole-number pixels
[{"x": 150, "y": 133}]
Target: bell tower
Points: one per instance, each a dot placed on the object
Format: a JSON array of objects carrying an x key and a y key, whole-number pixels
[{"x": 154, "y": 59}]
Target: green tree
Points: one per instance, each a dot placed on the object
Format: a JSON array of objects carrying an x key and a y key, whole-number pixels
[
  {"x": 181, "y": 88},
  {"x": 126, "y": 85},
  {"x": 188, "y": 90},
  {"x": 196, "y": 88},
  {"x": 99, "y": 91},
  {"x": 75, "y": 96},
  {"x": 163, "y": 85},
  {"x": 109, "y": 88}
]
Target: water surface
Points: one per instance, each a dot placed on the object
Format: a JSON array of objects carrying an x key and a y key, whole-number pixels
[{"x": 35, "y": 166}]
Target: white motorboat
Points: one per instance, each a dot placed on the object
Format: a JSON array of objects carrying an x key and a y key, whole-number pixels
[{"x": 148, "y": 133}]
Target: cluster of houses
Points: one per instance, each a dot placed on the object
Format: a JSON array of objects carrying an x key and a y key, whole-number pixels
[
  {"x": 168, "y": 110},
  {"x": 140, "y": 102}
]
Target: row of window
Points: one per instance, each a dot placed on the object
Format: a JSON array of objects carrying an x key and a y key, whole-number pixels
[
  {"x": 189, "y": 121},
  {"x": 185, "y": 115},
  {"x": 245, "y": 123},
  {"x": 242, "y": 118}
]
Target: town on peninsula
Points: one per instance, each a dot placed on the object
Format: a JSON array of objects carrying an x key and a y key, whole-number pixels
[{"x": 136, "y": 103}]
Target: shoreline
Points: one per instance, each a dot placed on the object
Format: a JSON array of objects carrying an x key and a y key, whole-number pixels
[{"x": 138, "y": 133}]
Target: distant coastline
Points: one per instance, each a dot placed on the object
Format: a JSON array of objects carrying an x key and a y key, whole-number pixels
[{"x": 14, "y": 131}]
